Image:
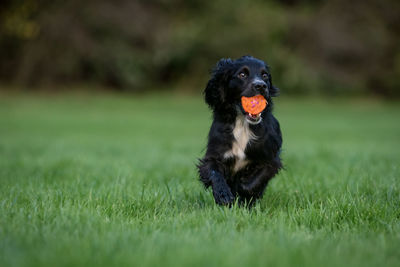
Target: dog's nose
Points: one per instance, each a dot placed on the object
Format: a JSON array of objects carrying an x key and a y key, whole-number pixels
[{"x": 259, "y": 85}]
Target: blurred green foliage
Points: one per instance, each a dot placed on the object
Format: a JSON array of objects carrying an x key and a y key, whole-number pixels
[{"x": 314, "y": 47}]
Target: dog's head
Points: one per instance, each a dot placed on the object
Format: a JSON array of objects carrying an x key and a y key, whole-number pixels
[{"x": 232, "y": 79}]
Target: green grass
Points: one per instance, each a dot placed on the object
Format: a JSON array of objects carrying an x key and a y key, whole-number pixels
[{"x": 110, "y": 180}]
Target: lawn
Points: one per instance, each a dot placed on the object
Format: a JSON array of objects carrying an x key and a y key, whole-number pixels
[{"x": 110, "y": 180}]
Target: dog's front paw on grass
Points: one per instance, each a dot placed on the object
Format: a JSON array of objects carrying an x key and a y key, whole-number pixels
[{"x": 223, "y": 196}]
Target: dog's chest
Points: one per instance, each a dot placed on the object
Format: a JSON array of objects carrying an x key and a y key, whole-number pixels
[{"x": 242, "y": 135}]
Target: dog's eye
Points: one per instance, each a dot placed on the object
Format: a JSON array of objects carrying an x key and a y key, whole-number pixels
[
  {"x": 265, "y": 76},
  {"x": 242, "y": 75}
]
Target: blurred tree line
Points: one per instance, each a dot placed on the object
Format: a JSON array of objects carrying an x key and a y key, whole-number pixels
[{"x": 313, "y": 46}]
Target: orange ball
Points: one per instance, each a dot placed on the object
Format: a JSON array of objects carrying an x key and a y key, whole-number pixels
[{"x": 254, "y": 105}]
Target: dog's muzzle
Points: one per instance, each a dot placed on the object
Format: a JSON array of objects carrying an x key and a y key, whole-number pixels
[
  {"x": 250, "y": 118},
  {"x": 253, "y": 118}
]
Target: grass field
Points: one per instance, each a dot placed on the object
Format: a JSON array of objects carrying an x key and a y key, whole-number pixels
[{"x": 110, "y": 180}]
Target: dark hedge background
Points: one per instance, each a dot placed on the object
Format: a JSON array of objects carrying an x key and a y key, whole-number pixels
[{"x": 314, "y": 47}]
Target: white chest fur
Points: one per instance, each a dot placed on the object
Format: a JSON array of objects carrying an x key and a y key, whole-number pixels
[{"x": 242, "y": 136}]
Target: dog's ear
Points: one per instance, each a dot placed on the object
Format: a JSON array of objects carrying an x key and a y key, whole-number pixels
[
  {"x": 214, "y": 93},
  {"x": 273, "y": 91}
]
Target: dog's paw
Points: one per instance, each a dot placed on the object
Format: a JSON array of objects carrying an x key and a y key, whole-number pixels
[{"x": 223, "y": 196}]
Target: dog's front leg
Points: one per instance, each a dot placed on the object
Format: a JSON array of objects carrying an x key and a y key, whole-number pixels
[
  {"x": 221, "y": 191},
  {"x": 210, "y": 175},
  {"x": 252, "y": 187}
]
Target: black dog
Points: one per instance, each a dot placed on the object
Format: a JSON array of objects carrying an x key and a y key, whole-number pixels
[{"x": 243, "y": 149}]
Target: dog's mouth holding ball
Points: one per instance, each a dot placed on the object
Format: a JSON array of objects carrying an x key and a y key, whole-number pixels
[
  {"x": 253, "y": 107},
  {"x": 253, "y": 118}
]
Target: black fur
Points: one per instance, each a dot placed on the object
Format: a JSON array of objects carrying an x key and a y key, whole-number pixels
[{"x": 223, "y": 95}]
